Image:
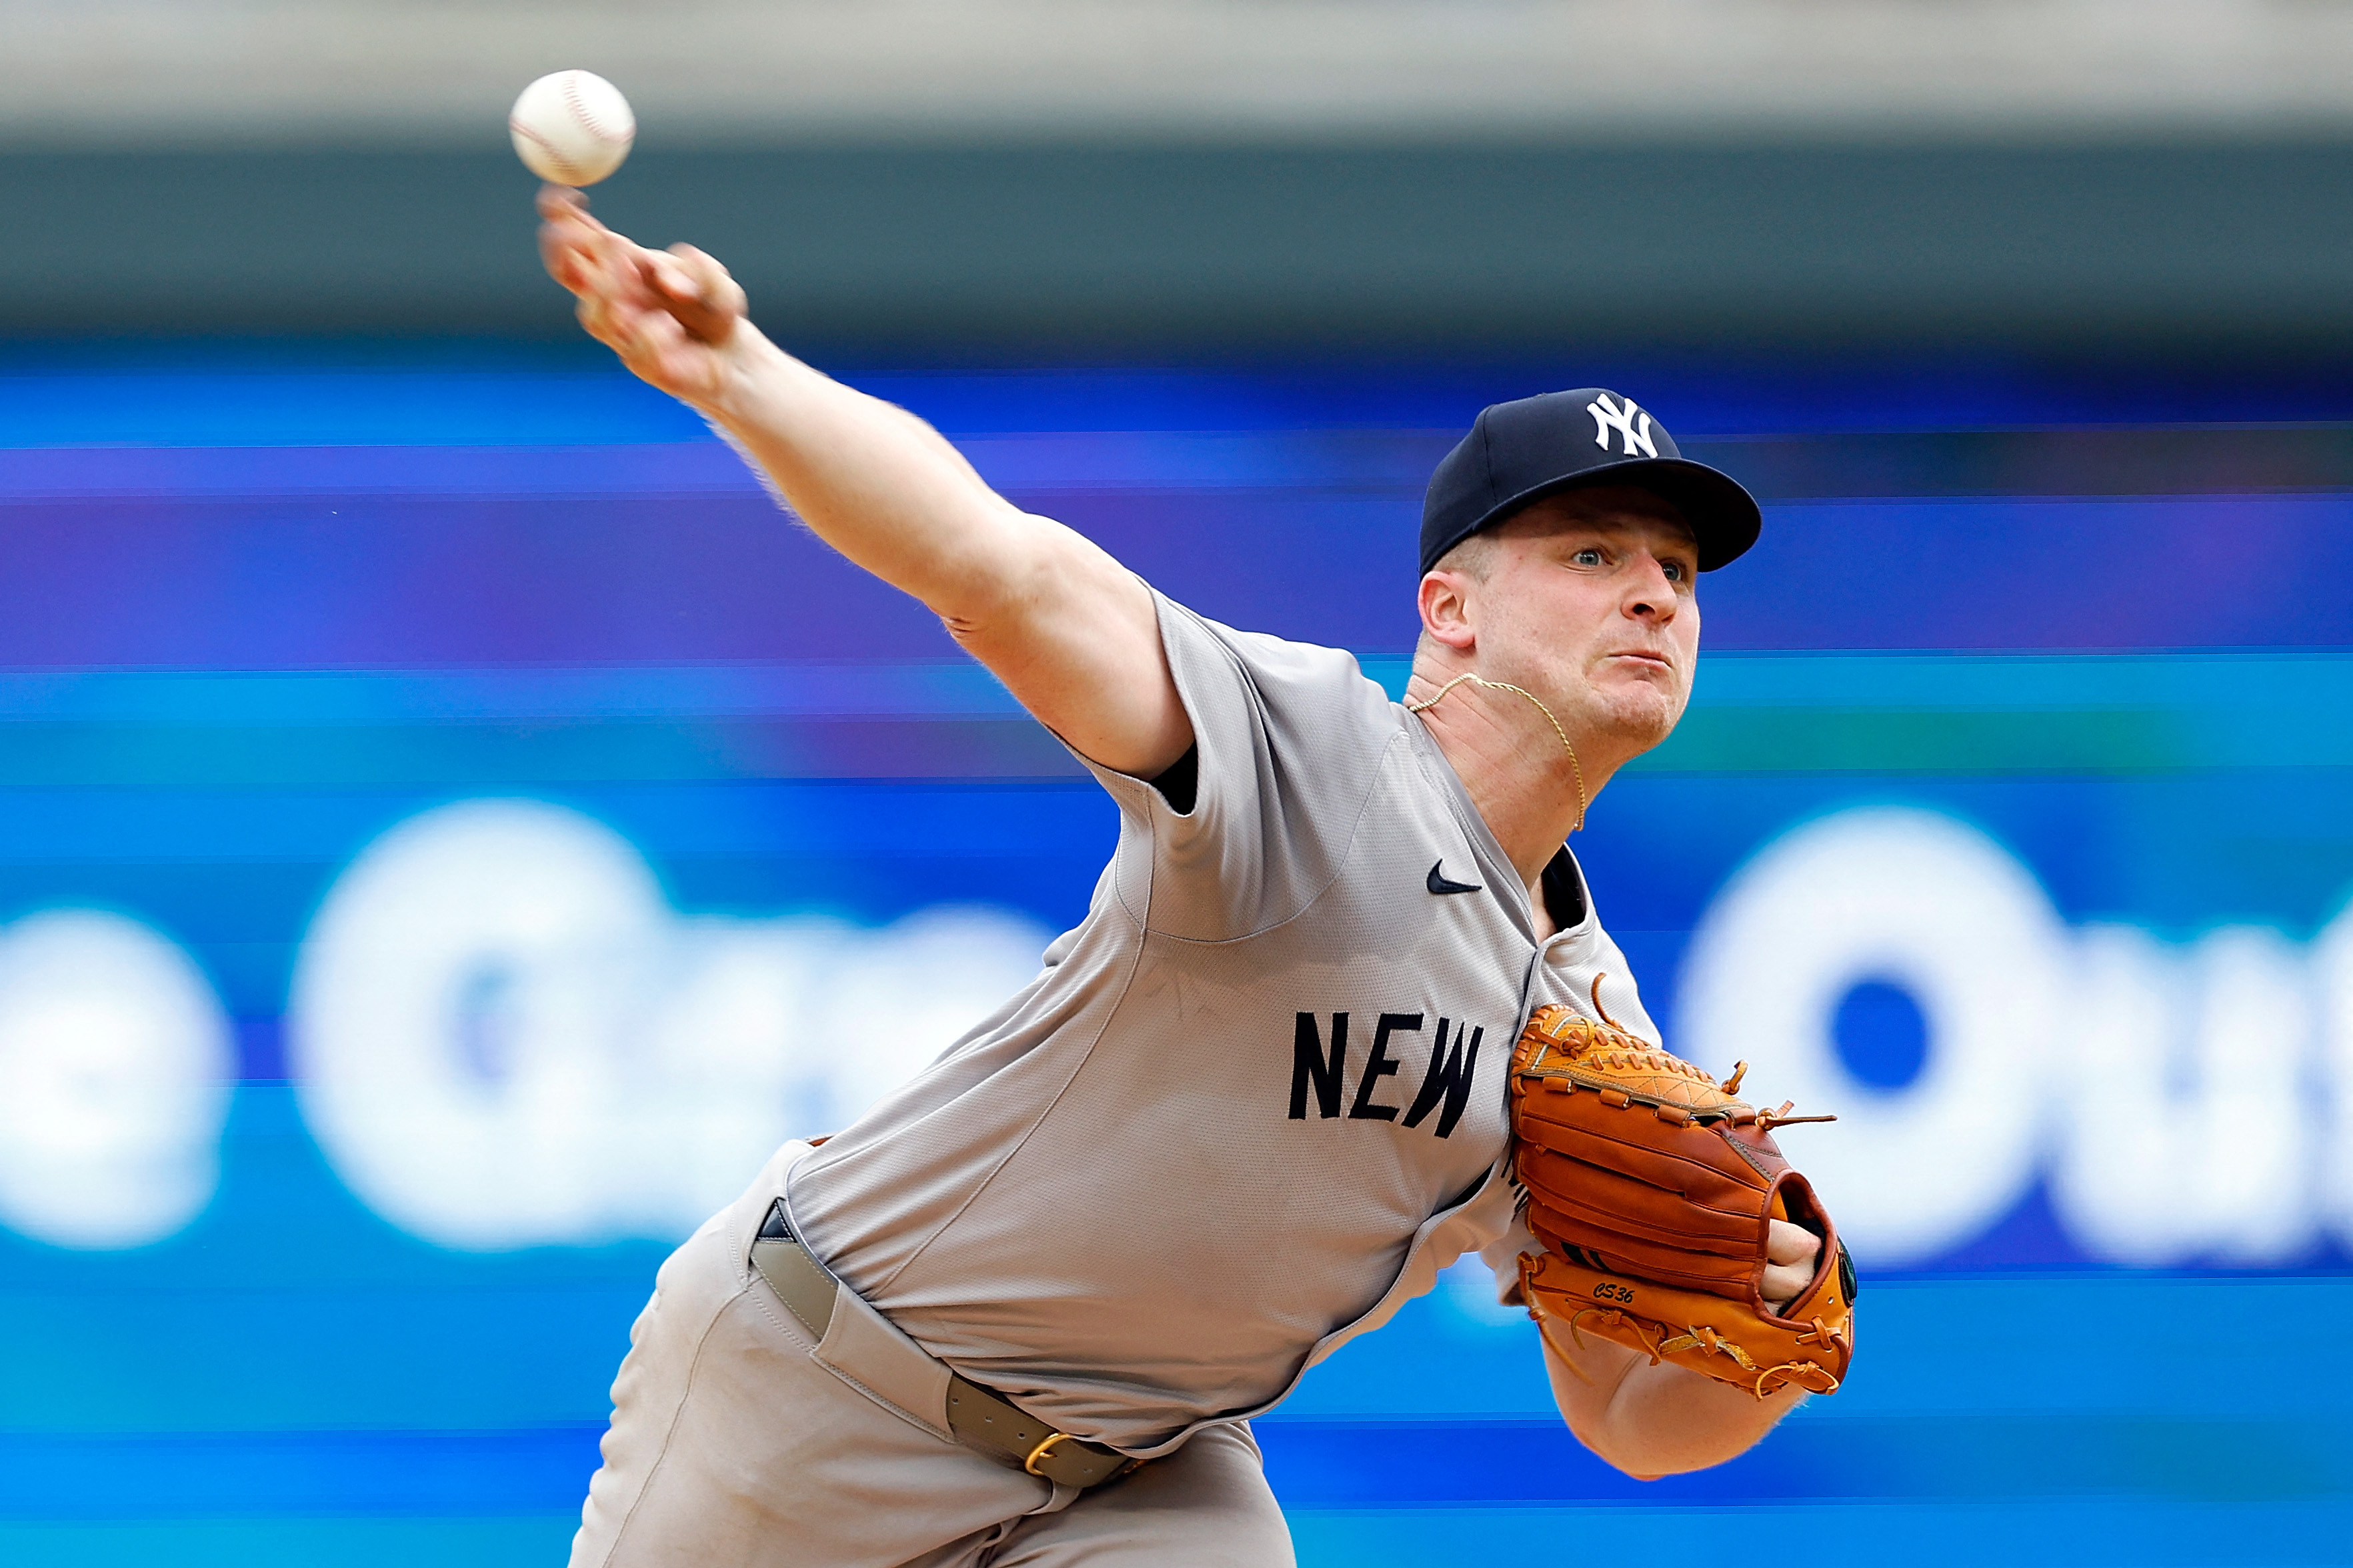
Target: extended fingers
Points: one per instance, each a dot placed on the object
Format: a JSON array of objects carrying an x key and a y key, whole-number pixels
[
  {"x": 580, "y": 252},
  {"x": 614, "y": 303},
  {"x": 663, "y": 313},
  {"x": 632, "y": 327},
  {"x": 556, "y": 201},
  {"x": 575, "y": 256}
]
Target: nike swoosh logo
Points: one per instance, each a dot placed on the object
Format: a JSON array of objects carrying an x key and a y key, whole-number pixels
[{"x": 1438, "y": 884}]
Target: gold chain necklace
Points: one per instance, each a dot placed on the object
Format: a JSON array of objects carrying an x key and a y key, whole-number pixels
[{"x": 1574, "y": 766}]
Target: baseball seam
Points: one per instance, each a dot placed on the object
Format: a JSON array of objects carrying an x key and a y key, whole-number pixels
[
  {"x": 587, "y": 118},
  {"x": 554, "y": 154}
]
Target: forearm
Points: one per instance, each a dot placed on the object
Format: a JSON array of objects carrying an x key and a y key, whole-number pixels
[
  {"x": 1070, "y": 632},
  {"x": 1652, "y": 1420},
  {"x": 881, "y": 486},
  {"x": 874, "y": 481}
]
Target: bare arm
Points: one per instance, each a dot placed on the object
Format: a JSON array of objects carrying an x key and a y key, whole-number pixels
[
  {"x": 1652, "y": 1419},
  {"x": 1071, "y": 633}
]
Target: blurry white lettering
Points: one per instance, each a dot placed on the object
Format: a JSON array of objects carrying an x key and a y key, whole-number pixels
[
  {"x": 502, "y": 1037},
  {"x": 2188, "y": 1104},
  {"x": 116, "y": 1067},
  {"x": 1917, "y": 900},
  {"x": 2332, "y": 966},
  {"x": 2184, "y": 1137}
]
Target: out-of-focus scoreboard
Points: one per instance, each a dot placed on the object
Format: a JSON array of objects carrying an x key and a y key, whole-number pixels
[{"x": 453, "y": 825}]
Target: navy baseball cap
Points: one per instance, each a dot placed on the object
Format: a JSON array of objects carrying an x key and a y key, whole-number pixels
[{"x": 1523, "y": 451}]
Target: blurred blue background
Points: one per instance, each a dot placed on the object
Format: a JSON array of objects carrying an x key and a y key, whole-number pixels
[
  {"x": 453, "y": 826},
  {"x": 454, "y": 823}
]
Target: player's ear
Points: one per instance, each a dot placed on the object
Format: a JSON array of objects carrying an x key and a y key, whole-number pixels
[{"x": 1448, "y": 609}]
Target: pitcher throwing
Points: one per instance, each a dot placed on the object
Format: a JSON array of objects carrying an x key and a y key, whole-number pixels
[{"x": 1023, "y": 1309}]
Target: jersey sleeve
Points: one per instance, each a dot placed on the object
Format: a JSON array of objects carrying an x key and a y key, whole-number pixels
[{"x": 1288, "y": 740}]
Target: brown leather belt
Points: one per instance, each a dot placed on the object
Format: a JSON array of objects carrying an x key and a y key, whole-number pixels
[{"x": 980, "y": 1419}]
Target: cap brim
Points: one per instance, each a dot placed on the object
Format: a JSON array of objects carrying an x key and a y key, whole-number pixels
[{"x": 1723, "y": 516}]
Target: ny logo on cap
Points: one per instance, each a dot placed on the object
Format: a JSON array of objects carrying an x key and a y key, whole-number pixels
[{"x": 1630, "y": 422}]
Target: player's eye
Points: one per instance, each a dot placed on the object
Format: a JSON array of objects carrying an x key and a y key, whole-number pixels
[
  {"x": 1676, "y": 571},
  {"x": 1587, "y": 557}
]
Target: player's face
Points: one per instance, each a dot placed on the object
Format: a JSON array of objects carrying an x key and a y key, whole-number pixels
[{"x": 1590, "y": 599}]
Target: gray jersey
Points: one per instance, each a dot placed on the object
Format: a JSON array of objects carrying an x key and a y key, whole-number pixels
[{"x": 1251, "y": 1104}]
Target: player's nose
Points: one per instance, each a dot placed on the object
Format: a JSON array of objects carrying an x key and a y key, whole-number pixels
[{"x": 1649, "y": 592}]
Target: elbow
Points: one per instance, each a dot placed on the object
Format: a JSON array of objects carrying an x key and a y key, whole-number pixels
[
  {"x": 1635, "y": 1465},
  {"x": 1626, "y": 1465},
  {"x": 1007, "y": 580},
  {"x": 1651, "y": 1455},
  {"x": 974, "y": 596},
  {"x": 1613, "y": 1450}
]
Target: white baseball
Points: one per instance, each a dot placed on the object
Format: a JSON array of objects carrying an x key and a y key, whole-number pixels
[{"x": 571, "y": 128}]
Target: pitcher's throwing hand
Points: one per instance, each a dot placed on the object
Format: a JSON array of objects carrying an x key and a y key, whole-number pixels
[{"x": 674, "y": 315}]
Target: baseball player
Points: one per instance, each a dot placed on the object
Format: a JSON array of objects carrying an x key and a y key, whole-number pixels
[{"x": 1023, "y": 1309}]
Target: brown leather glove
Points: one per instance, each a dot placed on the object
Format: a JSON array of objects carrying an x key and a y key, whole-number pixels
[{"x": 1651, "y": 1188}]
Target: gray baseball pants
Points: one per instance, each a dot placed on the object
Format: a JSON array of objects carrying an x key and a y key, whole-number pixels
[{"x": 736, "y": 1443}]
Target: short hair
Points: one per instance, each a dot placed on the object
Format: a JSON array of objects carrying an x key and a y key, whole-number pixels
[
  {"x": 1474, "y": 553},
  {"x": 1474, "y": 556}
]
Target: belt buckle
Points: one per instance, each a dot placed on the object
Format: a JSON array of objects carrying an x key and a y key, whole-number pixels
[{"x": 1045, "y": 1450}]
